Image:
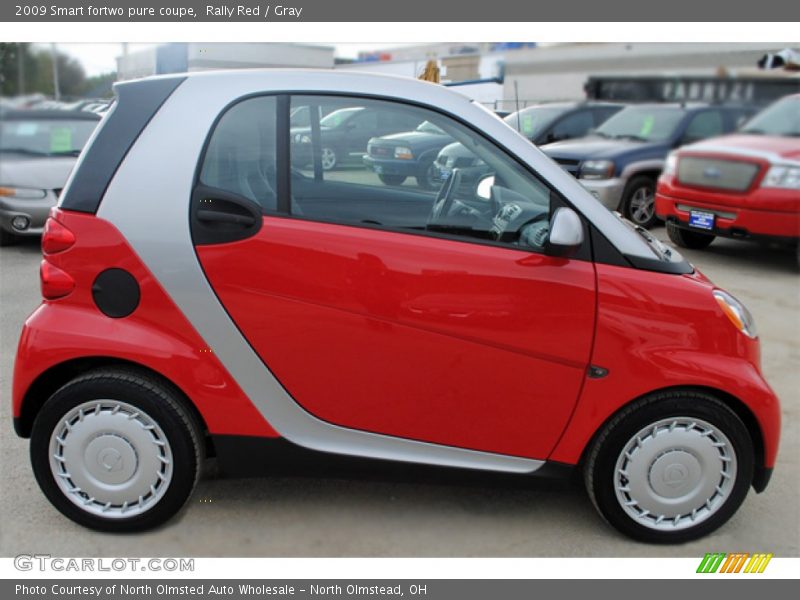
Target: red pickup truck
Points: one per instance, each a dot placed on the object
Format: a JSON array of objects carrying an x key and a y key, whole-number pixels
[{"x": 745, "y": 185}]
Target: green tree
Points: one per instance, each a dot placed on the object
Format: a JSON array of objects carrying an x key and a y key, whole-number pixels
[{"x": 28, "y": 69}]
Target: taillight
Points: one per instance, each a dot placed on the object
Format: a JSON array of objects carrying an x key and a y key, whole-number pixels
[
  {"x": 56, "y": 237},
  {"x": 55, "y": 282}
]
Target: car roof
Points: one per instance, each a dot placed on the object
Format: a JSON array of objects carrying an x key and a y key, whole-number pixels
[{"x": 48, "y": 114}]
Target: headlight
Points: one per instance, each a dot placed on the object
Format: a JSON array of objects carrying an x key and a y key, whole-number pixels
[
  {"x": 782, "y": 176},
  {"x": 671, "y": 164},
  {"x": 736, "y": 312},
  {"x": 403, "y": 153},
  {"x": 23, "y": 193},
  {"x": 301, "y": 138},
  {"x": 597, "y": 169}
]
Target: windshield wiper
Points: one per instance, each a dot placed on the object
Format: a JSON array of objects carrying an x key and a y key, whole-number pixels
[
  {"x": 27, "y": 151},
  {"x": 753, "y": 131},
  {"x": 630, "y": 136},
  {"x": 66, "y": 153}
]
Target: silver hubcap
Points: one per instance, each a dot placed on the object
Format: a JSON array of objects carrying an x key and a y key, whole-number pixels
[
  {"x": 643, "y": 205},
  {"x": 328, "y": 159},
  {"x": 675, "y": 473},
  {"x": 111, "y": 459}
]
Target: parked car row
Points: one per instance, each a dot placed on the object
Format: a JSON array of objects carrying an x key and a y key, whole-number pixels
[{"x": 618, "y": 152}]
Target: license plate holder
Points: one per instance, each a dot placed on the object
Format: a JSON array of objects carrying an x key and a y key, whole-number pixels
[{"x": 699, "y": 219}]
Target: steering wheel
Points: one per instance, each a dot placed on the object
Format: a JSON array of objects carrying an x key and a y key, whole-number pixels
[{"x": 444, "y": 199}]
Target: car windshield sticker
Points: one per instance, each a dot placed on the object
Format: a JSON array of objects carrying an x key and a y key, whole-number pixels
[
  {"x": 60, "y": 139},
  {"x": 527, "y": 124},
  {"x": 647, "y": 126}
]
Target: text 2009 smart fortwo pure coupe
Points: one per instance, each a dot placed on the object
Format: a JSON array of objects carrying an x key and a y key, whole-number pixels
[{"x": 203, "y": 294}]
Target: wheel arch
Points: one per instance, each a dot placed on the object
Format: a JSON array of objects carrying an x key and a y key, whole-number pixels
[
  {"x": 761, "y": 473},
  {"x": 56, "y": 376}
]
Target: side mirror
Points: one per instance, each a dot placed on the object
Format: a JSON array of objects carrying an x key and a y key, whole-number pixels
[
  {"x": 566, "y": 233},
  {"x": 484, "y": 189}
]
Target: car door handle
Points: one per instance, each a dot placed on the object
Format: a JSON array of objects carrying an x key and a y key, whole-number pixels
[{"x": 216, "y": 216}]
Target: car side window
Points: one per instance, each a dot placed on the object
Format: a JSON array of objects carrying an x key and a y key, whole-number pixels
[
  {"x": 572, "y": 126},
  {"x": 240, "y": 157},
  {"x": 705, "y": 124},
  {"x": 438, "y": 177}
]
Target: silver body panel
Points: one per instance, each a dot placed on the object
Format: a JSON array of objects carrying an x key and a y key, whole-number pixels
[{"x": 148, "y": 201}]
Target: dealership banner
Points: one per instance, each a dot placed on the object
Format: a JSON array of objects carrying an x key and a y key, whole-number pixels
[
  {"x": 407, "y": 10},
  {"x": 338, "y": 589}
]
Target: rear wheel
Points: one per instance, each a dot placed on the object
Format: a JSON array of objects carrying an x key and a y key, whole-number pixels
[
  {"x": 639, "y": 201},
  {"x": 392, "y": 179},
  {"x": 329, "y": 159},
  {"x": 670, "y": 468},
  {"x": 116, "y": 451},
  {"x": 684, "y": 238}
]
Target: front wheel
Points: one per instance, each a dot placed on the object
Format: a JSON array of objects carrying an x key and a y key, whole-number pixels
[
  {"x": 639, "y": 202},
  {"x": 428, "y": 177},
  {"x": 670, "y": 468},
  {"x": 114, "y": 450},
  {"x": 693, "y": 240}
]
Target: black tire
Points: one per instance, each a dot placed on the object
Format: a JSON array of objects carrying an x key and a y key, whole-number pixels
[
  {"x": 695, "y": 240},
  {"x": 600, "y": 467},
  {"x": 641, "y": 188},
  {"x": 392, "y": 179},
  {"x": 161, "y": 404},
  {"x": 7, "y": 239},
  {"x": 427, "y": 176}
]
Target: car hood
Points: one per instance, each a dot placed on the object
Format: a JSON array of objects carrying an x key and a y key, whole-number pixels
[
  {"x": 45, "y": 172},
  {"x": 594, "y": 147},
  {"x": 770, "y": 147},
  {"x": 412, "y": 138}
]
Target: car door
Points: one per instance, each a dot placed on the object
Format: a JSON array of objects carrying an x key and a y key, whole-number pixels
[{"x": 443, "y": 328}]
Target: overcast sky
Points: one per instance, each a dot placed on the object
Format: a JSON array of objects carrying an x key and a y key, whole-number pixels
[{"x": 99, "y": 58}]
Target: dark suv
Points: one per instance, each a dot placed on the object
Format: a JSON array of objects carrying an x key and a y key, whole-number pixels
[
  {"x": 547, "y": 123},
  {"x": 620, "y": 162},
  {"x": 398, "y": 156}
]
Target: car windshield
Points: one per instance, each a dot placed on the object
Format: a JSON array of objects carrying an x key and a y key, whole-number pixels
[
  {"x": 644, "y": 123},
  {"x": 428, "y": 127},
  {"x": 781, "y": 118},
  {"x": 530, "y": 122},
  {"x": 338, "y": 117},
  {"x": 45, "y": 137}
]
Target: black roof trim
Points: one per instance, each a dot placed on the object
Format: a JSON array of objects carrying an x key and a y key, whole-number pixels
[{"x": 137, "y": 103}]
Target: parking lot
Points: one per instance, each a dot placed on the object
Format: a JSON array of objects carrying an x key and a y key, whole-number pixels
[{"x": 407, "y": 511}]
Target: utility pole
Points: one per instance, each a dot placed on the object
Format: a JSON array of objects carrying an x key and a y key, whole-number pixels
[{"x": 56, "y": 88}]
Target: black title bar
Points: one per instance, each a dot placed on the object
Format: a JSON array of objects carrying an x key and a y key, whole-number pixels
[{"x": 407, "y": 10}]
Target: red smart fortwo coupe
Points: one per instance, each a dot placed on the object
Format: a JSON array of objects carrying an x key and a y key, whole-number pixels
[{"x": 207, "y": 293}]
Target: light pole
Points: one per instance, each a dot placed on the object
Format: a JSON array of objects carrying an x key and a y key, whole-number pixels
[{"x": 56, "y": 88}]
